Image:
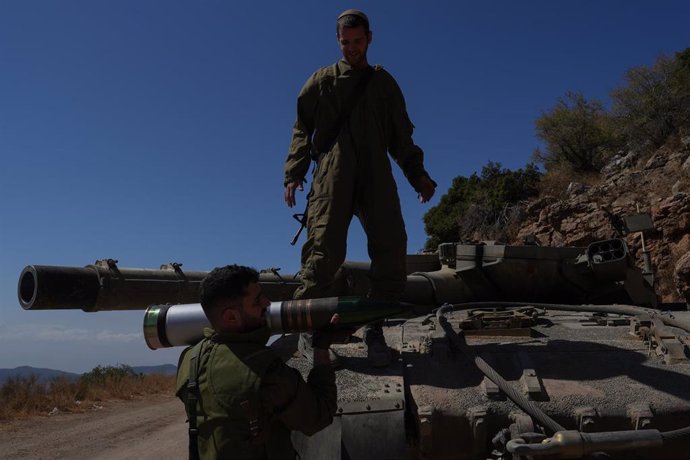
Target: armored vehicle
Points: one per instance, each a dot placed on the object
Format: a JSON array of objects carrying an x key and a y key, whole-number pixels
[{"x": 504, "y": 352}]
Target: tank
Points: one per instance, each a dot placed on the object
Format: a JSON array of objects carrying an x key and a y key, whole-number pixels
[{"x": 504, "y": 352}]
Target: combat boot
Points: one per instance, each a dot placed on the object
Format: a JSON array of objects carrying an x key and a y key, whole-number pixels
[{"x": 378, "y": 353}]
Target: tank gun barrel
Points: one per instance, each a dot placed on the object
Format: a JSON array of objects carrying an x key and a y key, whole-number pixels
[
  {"x": 601, "y": 273},
  {"x": 105, "y": 286}
]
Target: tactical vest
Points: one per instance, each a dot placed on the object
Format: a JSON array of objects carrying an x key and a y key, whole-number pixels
[{"x": 230, "y": 420}]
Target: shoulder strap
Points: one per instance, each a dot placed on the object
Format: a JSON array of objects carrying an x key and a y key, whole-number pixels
[
  {"x": 259, "y": 361},
  {"x": 192, "y": 399},
  {"x": 251, "y": 412},
  {"x": 350, "y": 104}
]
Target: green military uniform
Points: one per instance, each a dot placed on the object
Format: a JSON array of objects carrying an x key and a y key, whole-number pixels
[
  {"x": 353, "y": 175},
  {"x": 249, "y": 400}
]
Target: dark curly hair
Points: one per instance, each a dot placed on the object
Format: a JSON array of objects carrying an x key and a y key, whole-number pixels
[{"x": 229, "y": 282}]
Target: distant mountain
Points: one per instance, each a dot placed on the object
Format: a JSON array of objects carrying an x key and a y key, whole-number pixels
[
  {"x": 165, "y": 369},
  {"x": 45, "y": 375}
]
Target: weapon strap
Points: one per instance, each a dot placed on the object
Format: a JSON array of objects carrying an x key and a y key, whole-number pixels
[
  {"x": 350, "y": 104},
  {"x": 252, "y": 414},
  {"x": 317, "y": 155},
  {"x": 192, "y": 399}
]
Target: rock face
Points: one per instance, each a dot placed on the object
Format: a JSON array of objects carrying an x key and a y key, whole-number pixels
[
  {"x": 681, "y": 276},
  {"x": 659, "y": 184}
]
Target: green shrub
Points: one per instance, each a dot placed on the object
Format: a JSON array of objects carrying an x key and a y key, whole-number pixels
[
  {"x": 577, "y": 133},
  {"x": 479, "y": 205},
  {"x": 655, "y": 102}
]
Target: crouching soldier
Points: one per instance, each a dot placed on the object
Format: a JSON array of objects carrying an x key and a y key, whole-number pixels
[{"x": 241, "y": 400}]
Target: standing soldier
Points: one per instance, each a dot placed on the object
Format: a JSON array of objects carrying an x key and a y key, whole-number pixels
[{"x": 350, "y": 115}]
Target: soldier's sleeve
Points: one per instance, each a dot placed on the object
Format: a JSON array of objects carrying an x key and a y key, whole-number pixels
[
  {"x": 304, "y": 406},
  {"x": 298, "y": 158},
  {"x": 402, "y": 148}
]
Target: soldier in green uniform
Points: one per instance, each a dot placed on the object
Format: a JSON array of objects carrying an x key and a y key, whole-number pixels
[
  {"x": 241, "y": 400},
  {"x": 349, "y": 117}
]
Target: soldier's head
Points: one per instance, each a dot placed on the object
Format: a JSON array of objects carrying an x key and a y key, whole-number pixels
[
  {"x": 354, "y": 37},
  {"x": 232, "y": 300}
]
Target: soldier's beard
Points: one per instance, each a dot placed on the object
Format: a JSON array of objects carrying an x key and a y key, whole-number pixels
[{"x": 358, "y": 60}]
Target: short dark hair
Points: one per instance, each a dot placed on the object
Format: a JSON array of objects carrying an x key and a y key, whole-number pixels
[
  {"x": 229, "y": 282},
  {"x": 352, "y": 21}
]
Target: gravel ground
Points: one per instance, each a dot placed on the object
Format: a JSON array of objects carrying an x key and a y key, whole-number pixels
[{"x": 149, "y": 429}]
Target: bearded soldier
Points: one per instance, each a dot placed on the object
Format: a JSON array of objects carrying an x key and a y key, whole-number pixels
[{"x": 241, "y": 400}]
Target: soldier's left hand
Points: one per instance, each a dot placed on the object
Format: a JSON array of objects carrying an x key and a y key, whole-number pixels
[
  {"x": 324, "y": 337},
  {"x": 425, "y": 189}
]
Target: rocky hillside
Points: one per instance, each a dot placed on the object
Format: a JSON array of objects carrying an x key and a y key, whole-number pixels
[{"x": 659, "y": 183}]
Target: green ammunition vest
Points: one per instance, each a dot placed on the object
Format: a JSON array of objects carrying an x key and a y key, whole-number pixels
[{"x": 230, "y": 419}]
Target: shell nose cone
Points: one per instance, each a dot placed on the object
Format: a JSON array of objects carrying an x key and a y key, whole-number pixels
[{"x": 274, "y": 318}]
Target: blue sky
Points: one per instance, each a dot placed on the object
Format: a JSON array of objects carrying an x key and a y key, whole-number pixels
[{"x": 155, "y": 131}]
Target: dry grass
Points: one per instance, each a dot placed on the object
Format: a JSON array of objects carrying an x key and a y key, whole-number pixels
[
  {"x": 556, "y": 180},
  {"x": 26, "y": 396}
]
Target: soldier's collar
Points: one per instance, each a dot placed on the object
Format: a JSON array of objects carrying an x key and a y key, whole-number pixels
[
  {"x": 344, "y": 67},
  {"x": 258, "y": 336}
]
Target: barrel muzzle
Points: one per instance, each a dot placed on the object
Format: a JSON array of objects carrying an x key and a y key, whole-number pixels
[{"x": 43, "y": 287}]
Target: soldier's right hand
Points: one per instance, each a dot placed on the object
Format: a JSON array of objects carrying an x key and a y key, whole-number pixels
[
  {"x": 290, "y": 192},
  {"x": 425, "y": 188}
]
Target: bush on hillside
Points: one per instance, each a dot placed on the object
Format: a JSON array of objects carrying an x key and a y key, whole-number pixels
[
  {"x": 479, "y": 205},
  {"x": 579, "y": 136},
  {"x": 577, "y": 133},
  {"x": 655, "y": 102}
]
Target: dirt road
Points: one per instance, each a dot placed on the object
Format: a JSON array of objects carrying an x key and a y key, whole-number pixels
[{"x": 151, "y": 429}]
